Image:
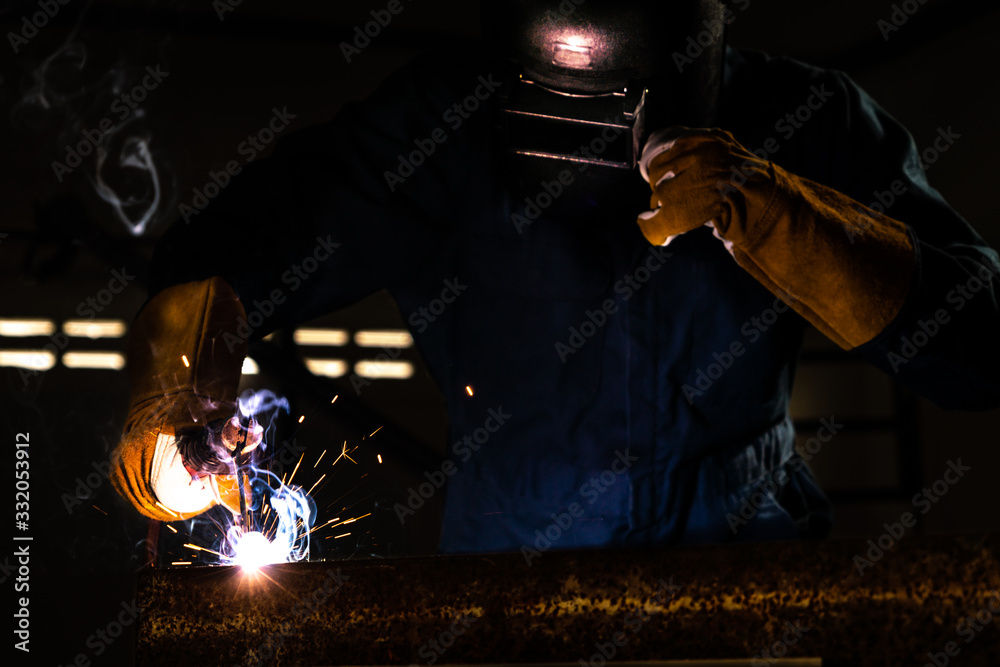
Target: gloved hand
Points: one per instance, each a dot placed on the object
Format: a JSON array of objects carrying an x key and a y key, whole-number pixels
[
  {"x": 232, "y": 434},
  {"x": 184, "y": 373},
  {"x": 798, "y": 238}
]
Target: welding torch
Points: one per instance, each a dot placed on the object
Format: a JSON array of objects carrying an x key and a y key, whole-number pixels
[{"x": 245, "y": 426}]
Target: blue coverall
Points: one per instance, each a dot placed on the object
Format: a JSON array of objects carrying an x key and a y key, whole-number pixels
[{"x": 638, "y": 429}]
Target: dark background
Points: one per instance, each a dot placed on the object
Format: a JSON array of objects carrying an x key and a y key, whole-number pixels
[{"x": 61, "y": 242}]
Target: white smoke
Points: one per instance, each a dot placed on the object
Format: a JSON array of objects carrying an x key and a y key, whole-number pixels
[{"x": 73, "y": 100}]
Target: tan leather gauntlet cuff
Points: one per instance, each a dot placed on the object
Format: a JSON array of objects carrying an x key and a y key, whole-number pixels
[{"x": 844, "y": 267}]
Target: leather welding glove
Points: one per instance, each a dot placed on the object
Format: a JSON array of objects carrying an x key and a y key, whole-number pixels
[
  {"x": 844, "y": 267},
  {"x": 184, "y": 371}
]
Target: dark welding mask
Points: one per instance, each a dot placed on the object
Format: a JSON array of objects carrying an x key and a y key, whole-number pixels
[{"x": 589, "y": 80}]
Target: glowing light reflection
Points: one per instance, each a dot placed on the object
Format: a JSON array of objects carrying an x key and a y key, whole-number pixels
[
  {"x": 94, "y": 328},
  {"x": 25, "y": 328}
]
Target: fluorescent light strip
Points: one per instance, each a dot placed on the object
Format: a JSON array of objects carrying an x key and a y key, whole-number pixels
[
  {"x": 250, "y": 367},
  {"x": 110, "y": 360},
  {"x": 25, "y": 327},
  {"x": 331, "y": 368},
  {"x": 395, "y": 370},
  {"x": 94, "y": 328},
  {"x": 384, "y": 338},
  {"x": 321, "y": 337},
  {"x": 36, "y": 360}
]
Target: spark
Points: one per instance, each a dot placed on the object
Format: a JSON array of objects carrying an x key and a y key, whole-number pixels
[
  {"x": 309, "y": 492},
  {"x": 187, "y": 364},
  {"x": 319, "y": 459},
  {"x": 296, "y": 468},
  {"x": 325, "y": 524},
  {"x": 197, "y": 548},
  {"x": 340, "y": 536},
  {"x": 99, "y": 510},
  {"x": 375, "y": 431},
  {"x": 468, "y": 390},
  {"x": 302, "y": 419},
  {"x": 171, "y": 528},
  {"x": 379, "y": 458},
  {"x": 165, "y": 509},
  {"x": 347, "y": 521},
  {"x": 344, "y": 454},
  {"x": 334, "y": 399},
  {"x": 181, "y": 562}
]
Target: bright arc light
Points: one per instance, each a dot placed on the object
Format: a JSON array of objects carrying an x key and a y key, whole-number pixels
[
  {"x": 292, "y": 515},
  {"x": 252, "y": 551}
]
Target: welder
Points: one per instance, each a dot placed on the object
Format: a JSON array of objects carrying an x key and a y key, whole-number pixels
[{"x": 619, "y": 131}]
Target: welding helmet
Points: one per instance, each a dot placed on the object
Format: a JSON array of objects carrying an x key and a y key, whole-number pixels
[{"x": 587, "y": 81}]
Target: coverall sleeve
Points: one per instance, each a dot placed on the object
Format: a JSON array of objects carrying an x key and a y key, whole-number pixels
[
  {"x": 943, "y": 342},
  {"x": 339, "y": 210}
]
